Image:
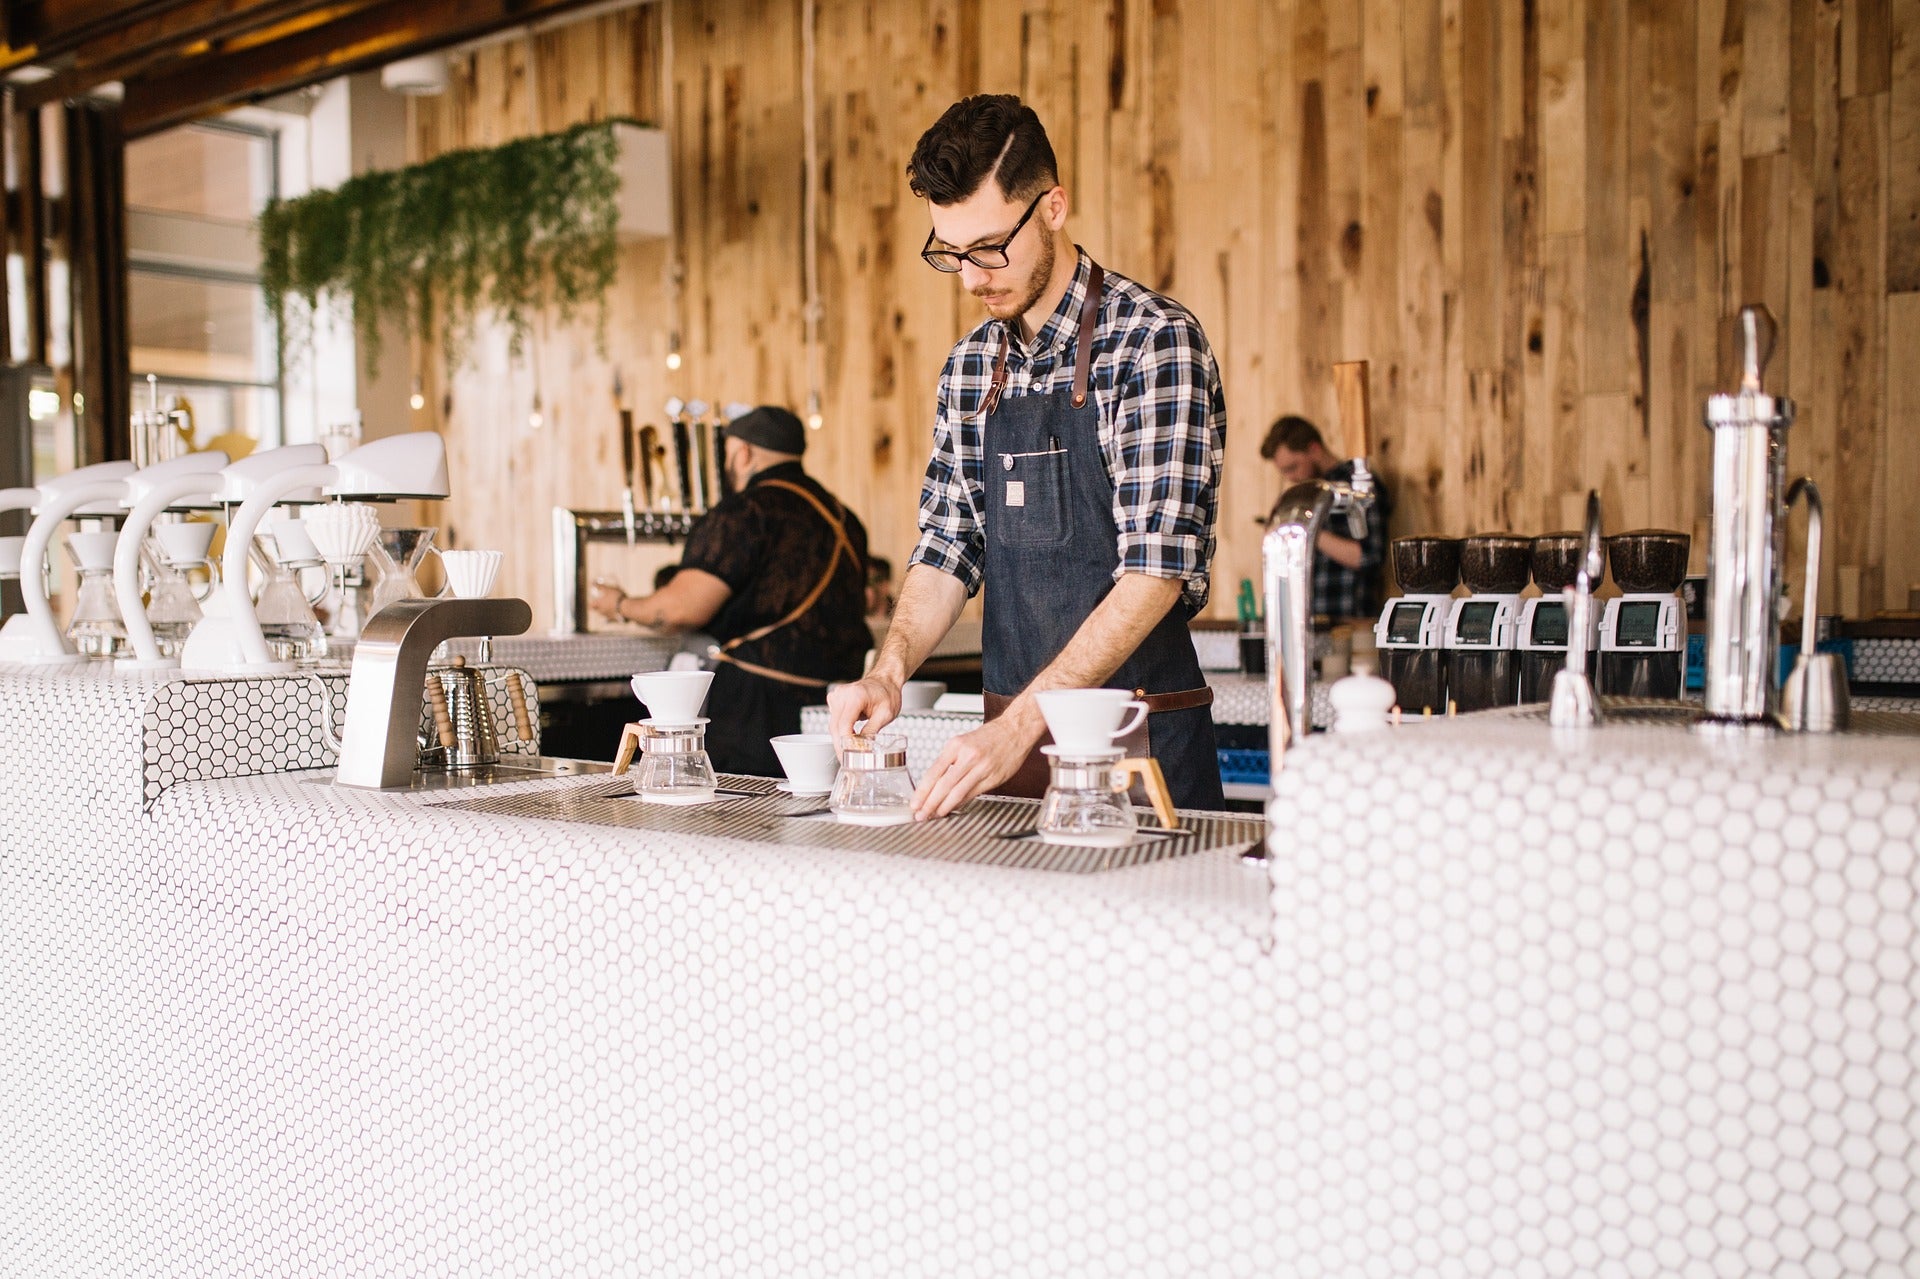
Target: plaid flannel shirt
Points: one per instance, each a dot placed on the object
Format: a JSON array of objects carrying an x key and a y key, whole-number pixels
[
  {"x": 1339, "y": 591},
  {"x": 1163, "y": 424}
]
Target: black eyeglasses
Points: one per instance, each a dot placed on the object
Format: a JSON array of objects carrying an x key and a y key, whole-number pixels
[{"x": 988, "y": 257}]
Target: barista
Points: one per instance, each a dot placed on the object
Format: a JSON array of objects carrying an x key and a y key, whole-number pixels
[
  {"x": 1077, "y": 445},
  {"x": 776, "y": 573},
  {"x": 1346, "y": 572}
]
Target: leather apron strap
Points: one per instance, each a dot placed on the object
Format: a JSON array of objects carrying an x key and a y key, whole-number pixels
[{"x": 842, "y": 545}]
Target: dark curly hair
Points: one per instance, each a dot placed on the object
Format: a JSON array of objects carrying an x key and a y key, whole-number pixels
[{"x": 989, "y": 133}]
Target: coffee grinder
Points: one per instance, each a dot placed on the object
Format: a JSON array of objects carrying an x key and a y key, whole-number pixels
[
  {"x": 1483, "y": 666},
  {"x": 1643, "y": 633},
  {"x": 1412, "y": 631},
  {"x": 1543, "y": 620}
]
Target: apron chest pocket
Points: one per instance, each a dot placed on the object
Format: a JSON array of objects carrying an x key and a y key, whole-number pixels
[{"x": 1030, "y": 503}]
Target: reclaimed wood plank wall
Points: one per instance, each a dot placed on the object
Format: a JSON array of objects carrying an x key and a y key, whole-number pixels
[{"x": 1534, "y": 217}]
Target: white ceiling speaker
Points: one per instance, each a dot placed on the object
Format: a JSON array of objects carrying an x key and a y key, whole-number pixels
[{"x": 416, "y": 77}]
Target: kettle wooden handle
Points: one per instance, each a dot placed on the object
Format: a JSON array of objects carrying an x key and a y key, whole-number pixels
[
  {"x": 517, "y": 695},
  {"x": 442, "y": 721},
  {"x": 1148, "y": 771}
]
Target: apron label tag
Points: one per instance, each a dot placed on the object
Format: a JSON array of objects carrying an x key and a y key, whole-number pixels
[{"x": 1016, "y": 493}]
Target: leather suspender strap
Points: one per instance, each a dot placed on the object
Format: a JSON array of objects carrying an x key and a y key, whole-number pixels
[
  {"x": 842, "y": 545},
  {"x": 1082, "y": 347},
  {"x": 1083, "y": 344}
]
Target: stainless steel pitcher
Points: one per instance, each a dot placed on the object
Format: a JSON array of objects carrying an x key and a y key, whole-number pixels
[{"x": 1748, "y": 534}]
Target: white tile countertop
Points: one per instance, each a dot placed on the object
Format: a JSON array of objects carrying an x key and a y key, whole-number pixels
[{"x": 1502, "y": 1001}]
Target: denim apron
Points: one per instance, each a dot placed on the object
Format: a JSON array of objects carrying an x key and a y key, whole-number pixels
[{"x": 1051, "y": 549}]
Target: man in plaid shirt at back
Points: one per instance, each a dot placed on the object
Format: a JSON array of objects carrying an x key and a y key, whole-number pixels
[
  {"x": 1077, "y": 445},
  {"x": 1346, "y": 573}
]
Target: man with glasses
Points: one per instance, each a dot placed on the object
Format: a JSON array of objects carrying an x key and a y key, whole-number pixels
[{"x": 1077, "y": 443}]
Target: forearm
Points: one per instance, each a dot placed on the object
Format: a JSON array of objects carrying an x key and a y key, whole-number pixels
[
  {"x": 929, "y": 604},
  {"x": 1107, "y": 638},
  {"x": 1343, "y": 551}
]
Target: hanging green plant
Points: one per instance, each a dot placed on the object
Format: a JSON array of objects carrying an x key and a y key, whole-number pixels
[{"x": 515, "y": 229}]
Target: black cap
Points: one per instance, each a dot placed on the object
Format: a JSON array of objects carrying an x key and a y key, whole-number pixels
[{"x": 770, "y": 427}]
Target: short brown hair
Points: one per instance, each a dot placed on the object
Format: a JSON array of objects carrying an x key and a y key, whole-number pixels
[
  {"x": 1293, "y": 433},
  {"x": 988, "y": 134}
]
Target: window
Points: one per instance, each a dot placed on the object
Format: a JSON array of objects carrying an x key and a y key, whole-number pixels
[{"x": 197, "y": 322}]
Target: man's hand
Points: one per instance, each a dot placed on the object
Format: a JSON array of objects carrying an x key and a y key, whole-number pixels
[
  {"x": 606, "y": 599},
  {"x": 875, "y": 699},
  {"x": 973, "y": 763}
]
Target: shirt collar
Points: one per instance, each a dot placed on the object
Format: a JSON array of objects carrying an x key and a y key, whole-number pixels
[
  {"x": 778, "y": 471},
  {"x": 1064, "y": 322}
]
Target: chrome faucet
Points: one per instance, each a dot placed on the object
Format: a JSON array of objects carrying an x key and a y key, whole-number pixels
[
  {"x": 1572, "y": 702},
  {"x": 380, "y": 745},
  {"x": 1286, "y": 571}
]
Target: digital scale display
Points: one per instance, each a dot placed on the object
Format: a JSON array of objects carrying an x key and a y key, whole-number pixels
[
  {"x": 1476, "y": 624},
  {"x": 1638, "y": 625},
  {"x": 1404, "y": 626},
  {"x": 1550, "y": 625}
]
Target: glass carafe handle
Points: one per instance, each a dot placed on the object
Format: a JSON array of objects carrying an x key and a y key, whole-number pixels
[
  {"x": 1148, "y": 771},
  {"x": 201, "y": 596}
]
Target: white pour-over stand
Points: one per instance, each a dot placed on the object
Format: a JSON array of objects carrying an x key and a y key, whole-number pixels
[
  {"x": 33, "y": 637},
  {"x": 161, "y": 487}
]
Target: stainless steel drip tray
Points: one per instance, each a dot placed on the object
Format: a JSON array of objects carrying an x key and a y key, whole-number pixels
[
  {"x": 986, "y": 832},
  {"x": 523, "y": 768}
]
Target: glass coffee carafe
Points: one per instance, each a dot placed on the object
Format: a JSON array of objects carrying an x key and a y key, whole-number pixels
[
  {"x": 398, "y": 553},
  {"x": 96, "y": 627},
  {"x": 873, "y": 787},
  {"x": 1087, "y": 801},
  {"x": 284, "y": 604},
  {"x": 674, "y": 768}
]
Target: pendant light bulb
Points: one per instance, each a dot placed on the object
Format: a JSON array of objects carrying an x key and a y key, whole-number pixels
[
  {"x": 673, "y": 350},
  {"x": 814, "y": 420},
  {"x": 418, "y": 400},
  {"x": 536, "y": 419}
]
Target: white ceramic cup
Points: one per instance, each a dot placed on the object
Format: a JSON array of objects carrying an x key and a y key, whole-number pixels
[
  {"x": 186, "y": 542},
  {"x": 921, "y": 694},
  {"x": 11, "y": 549},
  {"x": 93, "y": 551},
  {"x": 1089, "y": 719},
  {"x": 809, "y": 761},
  {"x": 673, "y": 697}
]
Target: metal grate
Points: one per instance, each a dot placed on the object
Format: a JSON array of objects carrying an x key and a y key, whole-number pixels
[{"x": 988, "y": 832}]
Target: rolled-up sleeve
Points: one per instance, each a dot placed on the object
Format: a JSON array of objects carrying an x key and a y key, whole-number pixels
[
  {"x": 950, "y": 536},
  {"x": 1165, "y": 456}
]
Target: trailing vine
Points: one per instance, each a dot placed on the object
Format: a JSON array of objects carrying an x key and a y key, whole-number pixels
[{"x": 513, "y": 229}]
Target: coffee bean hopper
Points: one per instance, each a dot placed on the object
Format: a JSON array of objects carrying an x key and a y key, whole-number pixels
[
  {"x": 1542, "y": 638},
  {"x": 1643, "y": 633},
  {"x": 1483, "y": 663},
  {"x": 1412, "y": 631}
]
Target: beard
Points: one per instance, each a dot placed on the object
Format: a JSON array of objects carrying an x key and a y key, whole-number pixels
[{"x": 1018, "y": 299}]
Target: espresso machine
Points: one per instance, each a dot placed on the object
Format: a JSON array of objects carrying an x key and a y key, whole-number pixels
[
  {"x": 1412, "y": 631},
  {"x": 1483, "y": 662},
  {"x": 1643, "y": 633},
  {"x": 1544, "y": 622}
]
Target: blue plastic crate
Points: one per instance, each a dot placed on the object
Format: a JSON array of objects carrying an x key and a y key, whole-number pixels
[{"x": 1244, "y": 768}]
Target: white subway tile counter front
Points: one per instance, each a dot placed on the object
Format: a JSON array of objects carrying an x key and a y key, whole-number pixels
[{"x": 1502, "y": 1001}]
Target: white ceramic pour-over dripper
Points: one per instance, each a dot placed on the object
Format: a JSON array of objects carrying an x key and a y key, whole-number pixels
[
  {"x": 185, "y": 543},
  {"x": 92, "y": 552},
  {"x": 471, "y": 574},
  {"x": 11, "y": 548},
  {"x": 291, "y": 545},
  {"x": 673, "y": 697},
  {"x": 342, "y": 532}
]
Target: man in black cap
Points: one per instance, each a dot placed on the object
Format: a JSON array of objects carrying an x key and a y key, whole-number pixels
[{"x": 777, "y": 574}]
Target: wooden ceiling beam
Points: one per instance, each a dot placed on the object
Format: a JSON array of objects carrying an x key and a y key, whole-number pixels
[
  {"x": 193, "y": 28},
  {"x": 205, "y": 84}
]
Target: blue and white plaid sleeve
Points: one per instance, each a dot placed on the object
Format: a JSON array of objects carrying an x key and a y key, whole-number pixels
[
  {"x": 950, "y": 536},
  {"x": 1166, "y": 456}
]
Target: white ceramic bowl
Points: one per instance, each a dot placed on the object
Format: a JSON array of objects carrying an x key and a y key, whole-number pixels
[
  {"x": 920, "y": 694},
  {"x": 672, "y": 697},
  {"x": 809, "y": 761}
]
